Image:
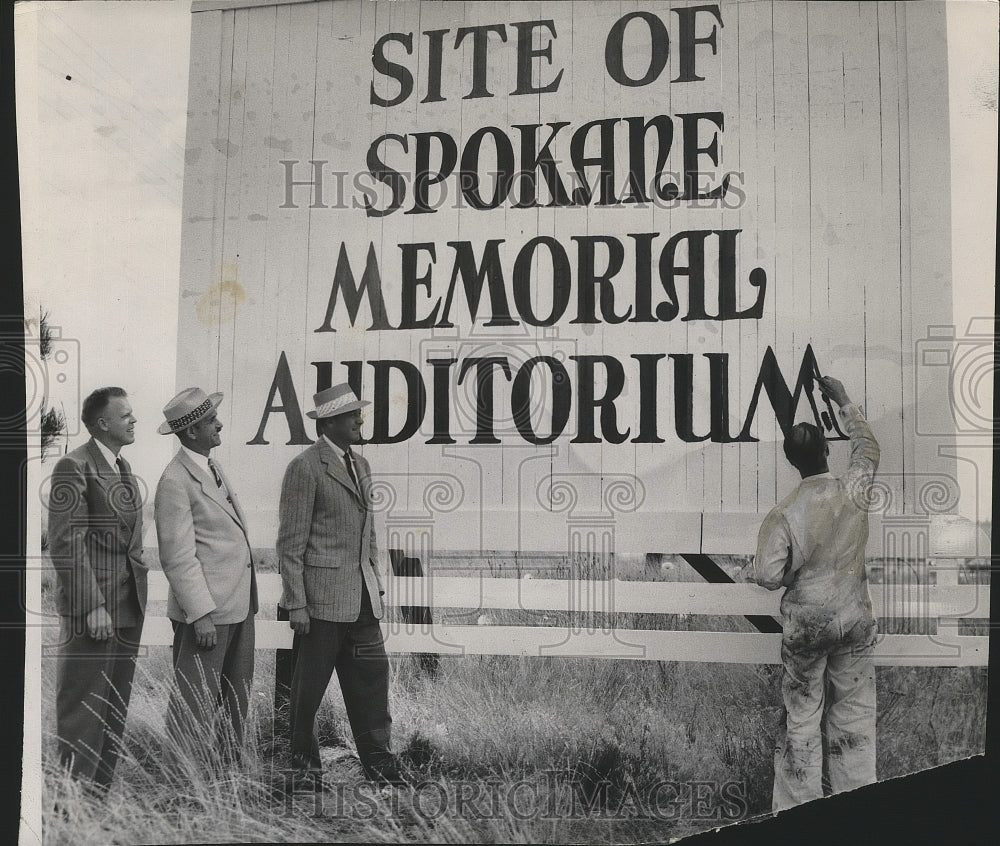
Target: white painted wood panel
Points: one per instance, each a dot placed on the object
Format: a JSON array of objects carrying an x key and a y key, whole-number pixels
[{"x": 838, "y": 173}]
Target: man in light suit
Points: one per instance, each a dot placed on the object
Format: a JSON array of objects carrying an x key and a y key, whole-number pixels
[
  {"x": 95, "y": 541},
  {"x": 205, "y": 555},
  {"x": 333, "y": 590}
]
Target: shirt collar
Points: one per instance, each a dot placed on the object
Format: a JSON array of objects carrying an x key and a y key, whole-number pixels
[
  {"x": 338, "y": 450},
  {"x": 826, "y": 475},
  {"x": 199, "y": 459},
  {"x": 109, "y": 455}
]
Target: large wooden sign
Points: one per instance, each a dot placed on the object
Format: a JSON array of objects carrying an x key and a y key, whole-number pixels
[{"x": 585, "y": 258}]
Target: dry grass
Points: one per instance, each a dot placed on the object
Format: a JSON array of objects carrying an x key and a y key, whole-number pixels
[{"x": 552, "y": 750}]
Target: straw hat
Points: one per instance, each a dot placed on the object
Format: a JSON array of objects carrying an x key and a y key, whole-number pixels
[
  {"x": 186, "y": 409},
  {"x": 335, "y": 401}
]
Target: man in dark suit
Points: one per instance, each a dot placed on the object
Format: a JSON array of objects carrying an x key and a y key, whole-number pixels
[
  {"x": 332, "y": 588},
  {"x": 206, "y": 557},
  {"x": 95, "y": 541}
]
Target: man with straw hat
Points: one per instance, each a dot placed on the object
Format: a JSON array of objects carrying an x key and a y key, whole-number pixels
[
  {"x": 205, "y": 555},
  {"x": 332, "y": 589}
]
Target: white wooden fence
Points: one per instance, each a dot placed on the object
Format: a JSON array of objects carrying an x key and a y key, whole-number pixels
[{"x": 944, "y": 603}]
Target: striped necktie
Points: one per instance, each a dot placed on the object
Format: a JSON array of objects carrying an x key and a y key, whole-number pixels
[
  {"x": 215, "y": 473},
  {"x": 349, "y": 462},
  {"x": 218, "y": 481}
]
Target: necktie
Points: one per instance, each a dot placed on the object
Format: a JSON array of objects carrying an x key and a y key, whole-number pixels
[
  {"x": 349, "y": 462},
  {"x": 215, "y": 473},
  {"x": 218, "y": 480},
  {"x": 126, "y": 479}
]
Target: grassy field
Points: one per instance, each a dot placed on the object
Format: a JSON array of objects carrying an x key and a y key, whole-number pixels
[{"x": 503, "y": 749}]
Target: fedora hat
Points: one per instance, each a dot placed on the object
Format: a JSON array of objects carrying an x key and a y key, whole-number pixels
[
  {"x": 187, "y": 408},
  {"x": 335, "y": 401}
]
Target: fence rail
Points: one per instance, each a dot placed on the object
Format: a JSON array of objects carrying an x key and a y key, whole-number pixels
[{"x": 944, "y": 603}]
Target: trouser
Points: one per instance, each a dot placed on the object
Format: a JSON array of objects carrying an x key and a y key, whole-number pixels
[
  {"x": 93, "y": 688},
  {"x": 357, "y": 652},
  {"x": 840, "y": 682},
  {"x": 212, "y": 686}
]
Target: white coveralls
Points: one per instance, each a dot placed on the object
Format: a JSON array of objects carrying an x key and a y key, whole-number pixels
[{"x": 813, "y": 543}]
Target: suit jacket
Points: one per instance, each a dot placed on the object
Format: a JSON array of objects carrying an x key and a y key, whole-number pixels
[
  {"x": 326, "y": 536},
  {"x": 95, "y": 538},
  {"x": 204, "y": 548}
]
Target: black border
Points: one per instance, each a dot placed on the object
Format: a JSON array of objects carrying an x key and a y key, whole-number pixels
[{"x": 13, "y": 452}]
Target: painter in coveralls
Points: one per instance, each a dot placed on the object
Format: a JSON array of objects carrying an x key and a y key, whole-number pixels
[{"x": 813, "y": 545}]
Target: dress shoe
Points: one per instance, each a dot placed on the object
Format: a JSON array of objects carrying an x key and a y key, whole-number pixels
[{"x": 384, "y": 774}]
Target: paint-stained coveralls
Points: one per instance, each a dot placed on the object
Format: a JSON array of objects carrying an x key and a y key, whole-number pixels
[{"x": 813, "y": 543}]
